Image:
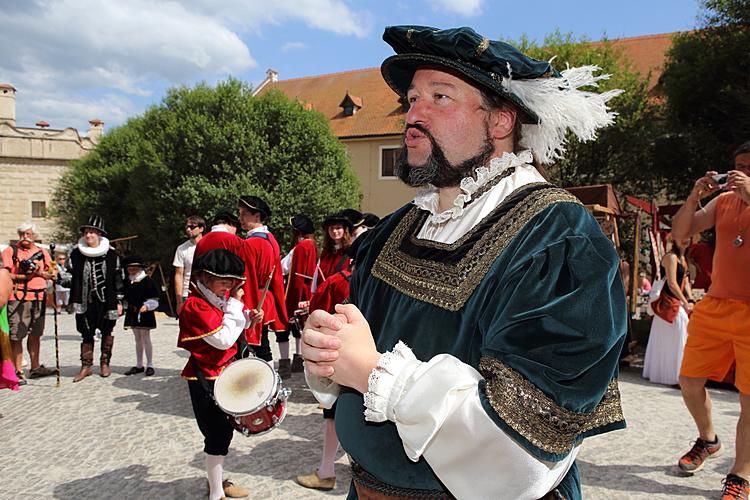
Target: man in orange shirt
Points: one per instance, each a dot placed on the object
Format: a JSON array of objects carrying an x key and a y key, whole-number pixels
[
  {"x": 28, "y": 265},
  {"x": 720, "y": 323}
]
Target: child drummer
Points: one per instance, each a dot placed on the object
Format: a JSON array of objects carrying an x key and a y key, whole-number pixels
[{"x": 211, "y": 320}]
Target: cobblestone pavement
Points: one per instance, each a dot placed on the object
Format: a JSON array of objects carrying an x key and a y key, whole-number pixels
[{"x": 135, "y": 437}]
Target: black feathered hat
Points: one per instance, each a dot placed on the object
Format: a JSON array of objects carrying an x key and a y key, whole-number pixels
[
  {"x": 370, "y": 220},
  {"x": 256, "y": 205},
  {"x": 226, "y": 217},
  {"x": 133, "y": 260},
  {"x": 95, "y": 222},
  {"x": 302, "y": 223},
  {"x": 353, "y": 215},
  {"x": 337, "y": 217},
  {"x": 221, "y": 263}
]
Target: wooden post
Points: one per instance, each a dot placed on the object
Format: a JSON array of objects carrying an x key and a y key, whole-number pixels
[{"x": 636, "y": 263}]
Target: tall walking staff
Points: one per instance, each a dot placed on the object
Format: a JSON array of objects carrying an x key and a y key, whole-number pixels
[{"x": 54, "y": 308}]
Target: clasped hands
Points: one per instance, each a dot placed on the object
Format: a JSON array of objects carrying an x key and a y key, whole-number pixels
[{"x": 340, "y": 346}]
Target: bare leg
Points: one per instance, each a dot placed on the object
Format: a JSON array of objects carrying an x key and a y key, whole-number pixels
[
  {"x": 17, "y": 346},
  {"x": 32, "y": 344},
  {"x": 698, "y": 403},
  {"x": 742, "y": 461}
]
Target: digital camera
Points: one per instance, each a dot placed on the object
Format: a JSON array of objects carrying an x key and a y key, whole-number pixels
[
  {"x": 720, "y": 179},
  {"x": 30, "y": 265}
]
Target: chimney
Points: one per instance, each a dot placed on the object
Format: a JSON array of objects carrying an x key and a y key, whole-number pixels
[
  {"x": 272, "y": 75},
  {"x": 8, "y": 104},
  {"x": 96, "y": 130}
]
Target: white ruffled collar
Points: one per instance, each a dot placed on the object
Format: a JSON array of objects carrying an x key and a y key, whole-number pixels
[
  {"x": 96, "y": 251},
  {"x": 138, "y": 277},
  {"x": 427, "y": 198}
]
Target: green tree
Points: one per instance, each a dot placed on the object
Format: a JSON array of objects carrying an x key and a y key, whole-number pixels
[
  {"x": 196, "y": 153},
  {"x": 707, "y": 91},
  {"x": 622, "y": 153}
]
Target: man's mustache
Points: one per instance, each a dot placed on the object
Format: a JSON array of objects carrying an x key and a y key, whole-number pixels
[{"x": 417, "y": 126}]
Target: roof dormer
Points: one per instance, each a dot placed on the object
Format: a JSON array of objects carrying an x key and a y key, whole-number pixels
[{"x": 351, "y": 104}]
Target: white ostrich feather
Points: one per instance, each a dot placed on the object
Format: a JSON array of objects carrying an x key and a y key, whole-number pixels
[{"x": 561, "y": 105}]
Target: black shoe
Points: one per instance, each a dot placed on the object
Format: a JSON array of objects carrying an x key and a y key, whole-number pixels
[
  {"x": 297, "y": 365},
  {"x": 149, "y": 371},
  {"x": 133, "y": 370},
  {"x": 21, "y": 378}
]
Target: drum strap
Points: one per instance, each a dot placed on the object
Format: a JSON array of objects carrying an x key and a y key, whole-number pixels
[
  {"x": 201, "y": 377},
  {"x": 243, "y": 348}
]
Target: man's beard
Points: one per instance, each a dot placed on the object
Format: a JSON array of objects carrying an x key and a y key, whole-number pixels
[{"x": 437, "y": 170}]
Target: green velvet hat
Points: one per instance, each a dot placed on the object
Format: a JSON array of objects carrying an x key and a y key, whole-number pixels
[
  {"x": 551, "y": 103},
  {"x": 486, "y": 62}
]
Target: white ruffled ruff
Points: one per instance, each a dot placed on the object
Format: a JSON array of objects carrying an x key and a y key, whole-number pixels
[
  {"x": 97, "y": 251},
  {"x": 427, "y": 198}
]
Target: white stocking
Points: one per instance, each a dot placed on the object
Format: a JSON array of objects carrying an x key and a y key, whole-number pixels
[
  {"x": 148, "y": 347},
  {"x": 330, "y": 447},
  {"x": 215, "y": 470},
  {"x": 138, "y": 347},
  {"x": 283, "y": 350}
]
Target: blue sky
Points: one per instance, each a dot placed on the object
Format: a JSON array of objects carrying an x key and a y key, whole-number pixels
[{"x": 73, "y": 60}]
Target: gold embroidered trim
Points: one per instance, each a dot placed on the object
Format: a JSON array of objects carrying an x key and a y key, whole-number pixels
[
  {"x": 484, "y": 45},
  {"x": 450, "y": 286},
  {"x": 536, "y": 417},
  {"x": 204, "y": 334},
  {"x": 459, "y": 242}
]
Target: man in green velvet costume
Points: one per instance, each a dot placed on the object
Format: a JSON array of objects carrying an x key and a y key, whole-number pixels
[{"x": 481, "y": 343}]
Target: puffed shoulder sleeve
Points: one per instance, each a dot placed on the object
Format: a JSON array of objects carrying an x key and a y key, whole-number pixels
[{"x": 553, "y": 335}]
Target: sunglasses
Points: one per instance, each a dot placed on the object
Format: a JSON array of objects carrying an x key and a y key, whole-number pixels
[{"x": 191, "y": 226}]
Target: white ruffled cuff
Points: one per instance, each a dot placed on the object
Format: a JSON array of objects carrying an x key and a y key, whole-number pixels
[{"x": 386, "y": 383}]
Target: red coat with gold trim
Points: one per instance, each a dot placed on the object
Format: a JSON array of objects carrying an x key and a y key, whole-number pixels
[
  {"x": 257, "y": 254},
  {"x": 301, "y": 272},
  {"x": 199, "y": 319},
  {"x": 333, "y": 291},
  {"x": 332, "y": 262}
]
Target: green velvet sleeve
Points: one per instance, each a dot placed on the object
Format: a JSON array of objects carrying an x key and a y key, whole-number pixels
[{"x": 553, "y": 325}]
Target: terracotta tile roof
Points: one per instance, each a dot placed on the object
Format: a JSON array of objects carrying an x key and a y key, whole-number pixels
[
  {"x": 381, "y": 112},
  {"x": 646, "y": 53}
]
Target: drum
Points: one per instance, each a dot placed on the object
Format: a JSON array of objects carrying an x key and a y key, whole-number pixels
[{"x": 250, "y": 392}]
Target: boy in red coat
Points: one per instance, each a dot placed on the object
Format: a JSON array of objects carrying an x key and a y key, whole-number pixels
[
  {"x": 211, "y": 320},
  {"x": 299, "y": 267}
]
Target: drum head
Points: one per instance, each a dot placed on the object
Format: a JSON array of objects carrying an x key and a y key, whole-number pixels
[{"x": 244, "y": 386}]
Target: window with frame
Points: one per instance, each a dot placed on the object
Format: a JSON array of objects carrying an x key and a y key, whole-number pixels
[
  {"x": 388, "y": 157},
  {"x": 38, "y": 209}
]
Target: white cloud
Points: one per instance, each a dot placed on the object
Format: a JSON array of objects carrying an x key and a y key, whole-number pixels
[
  {"x": 289, "y": 46},
  {"x": 466, "y": 8},
  {"x": 56, "y": 51},
  {"x": 328, "y": 15}
]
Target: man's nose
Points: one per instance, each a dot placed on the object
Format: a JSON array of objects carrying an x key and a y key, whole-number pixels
[{"x": 417, "y": 112}]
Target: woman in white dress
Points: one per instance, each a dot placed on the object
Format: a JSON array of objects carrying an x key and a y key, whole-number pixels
[{"x": 667, "y": 338}]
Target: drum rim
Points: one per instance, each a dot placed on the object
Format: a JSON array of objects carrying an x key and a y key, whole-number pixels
[{"x": 271, "y": 395}]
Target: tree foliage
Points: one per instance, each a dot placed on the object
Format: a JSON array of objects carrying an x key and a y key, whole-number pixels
[
  {"x": 196, "y": 153},
  {"x": 707, "y": 91},
  {"x": 622, "y": 153}
]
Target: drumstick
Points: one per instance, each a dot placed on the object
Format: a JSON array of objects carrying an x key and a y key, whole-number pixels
[
  {"x": 320, "y": 271},
  {"x": 263, "y": 293},
  {"x": 306, "y": 276}
]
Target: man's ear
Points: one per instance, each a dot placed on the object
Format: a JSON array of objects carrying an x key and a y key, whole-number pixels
[{"x": 502, "y": 123}]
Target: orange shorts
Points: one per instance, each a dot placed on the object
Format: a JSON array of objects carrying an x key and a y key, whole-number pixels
[{"x": 718, "y": 335}]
